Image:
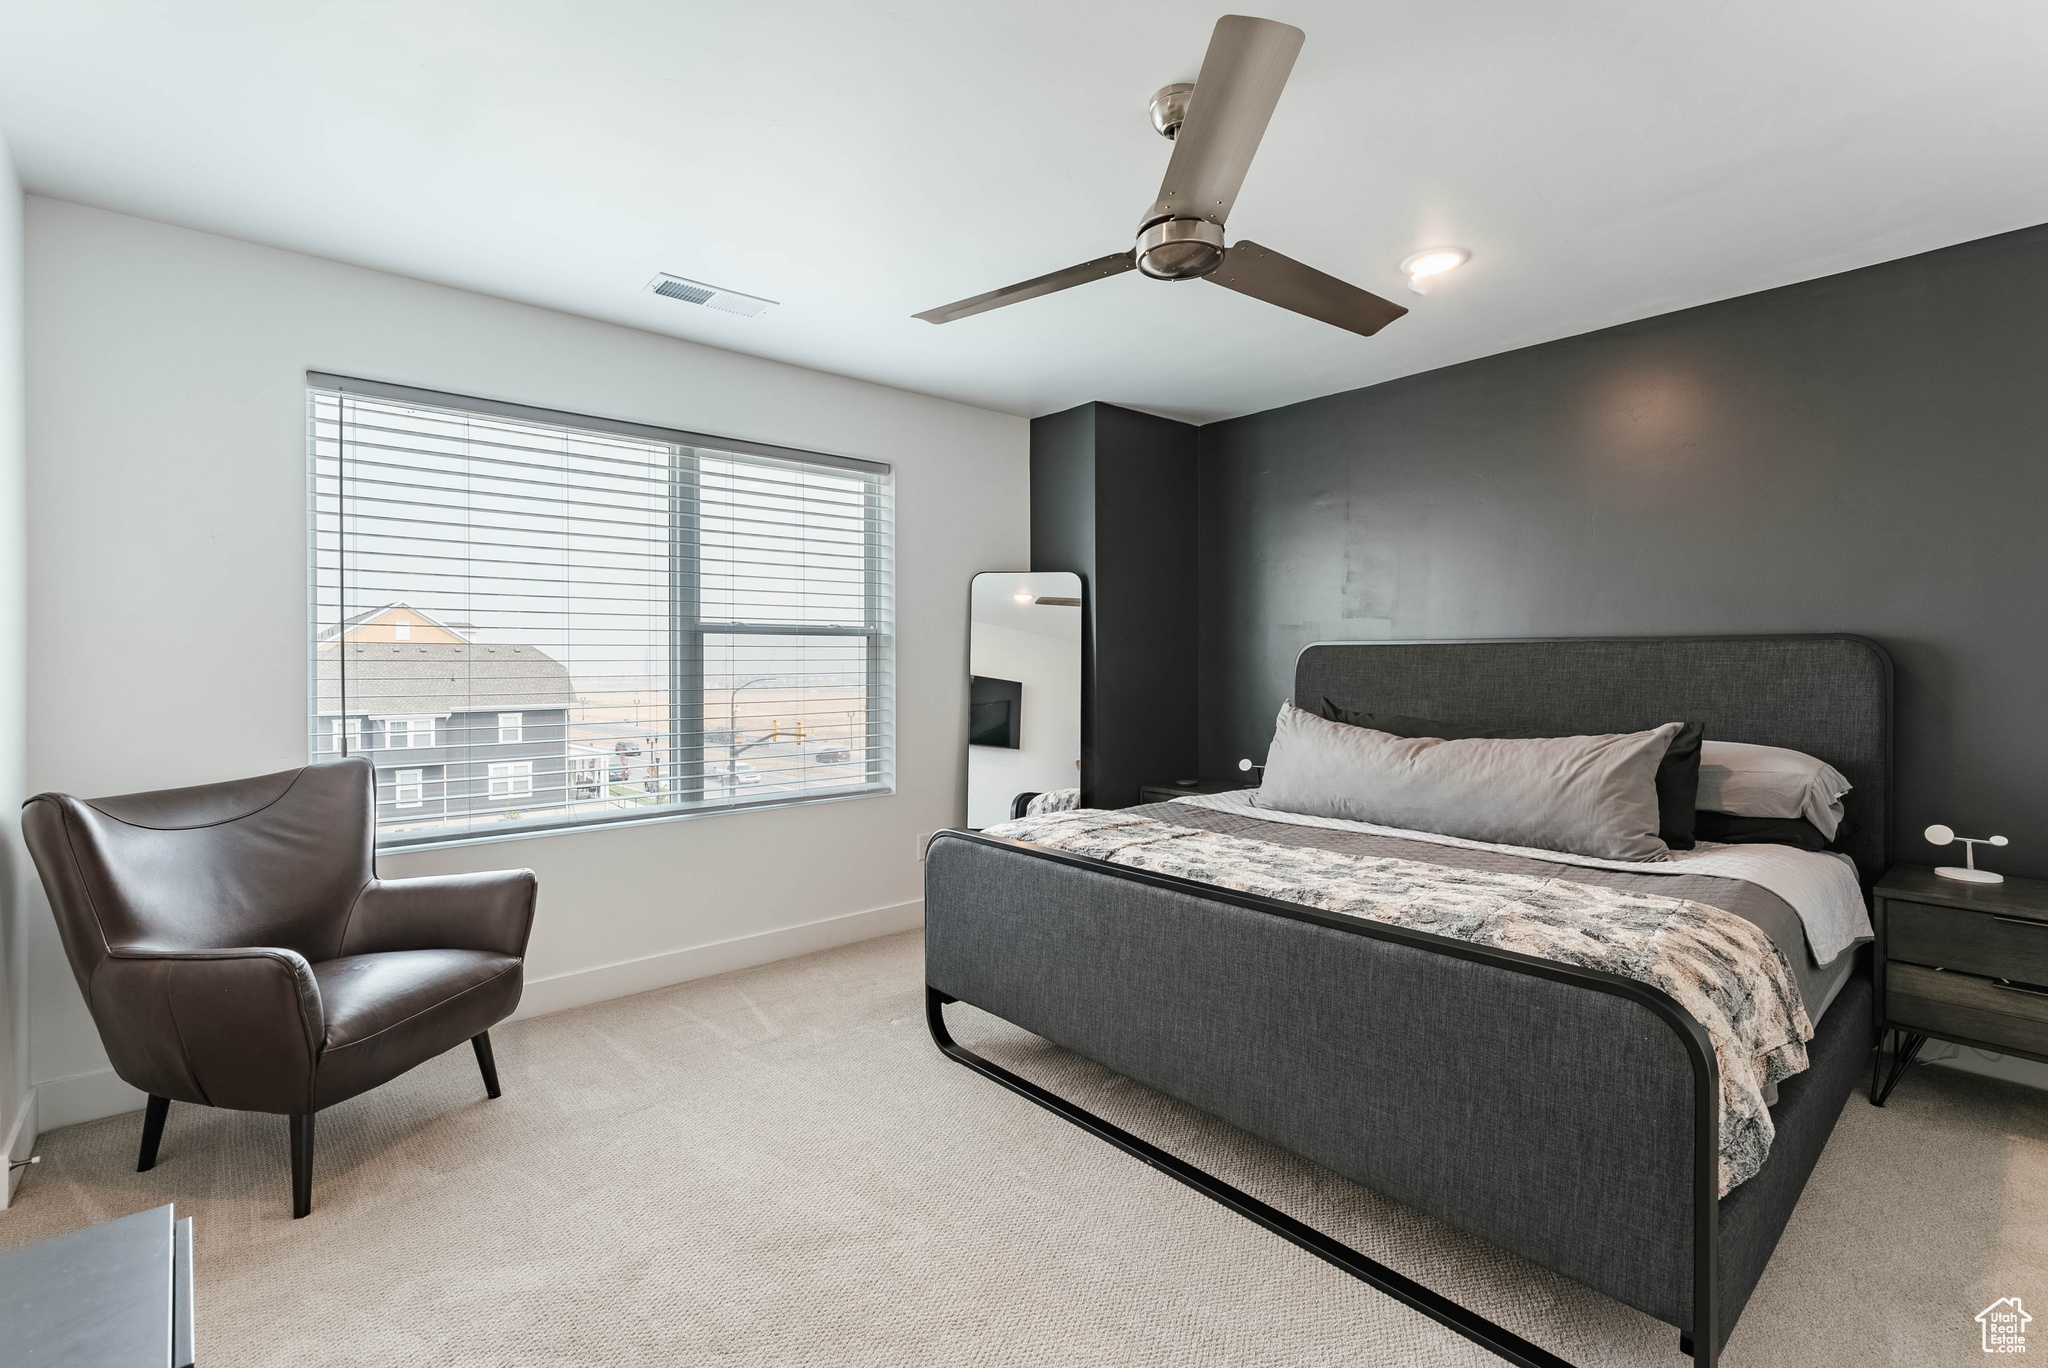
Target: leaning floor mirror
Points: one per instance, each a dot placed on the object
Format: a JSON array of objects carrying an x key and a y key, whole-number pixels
[{"x": 1024, "y": 696}]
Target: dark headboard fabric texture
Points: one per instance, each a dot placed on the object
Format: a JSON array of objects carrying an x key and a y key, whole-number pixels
[{"x": 1829, "y": 696}]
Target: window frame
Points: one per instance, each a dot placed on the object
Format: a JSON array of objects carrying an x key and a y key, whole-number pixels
[
  {"x": 514, "y": 773},
  {"x": 418, "y": 785},
  {"x": 517, "y": 726},
  {"x": 683, "y": 761},
  {"x": 412, "y": 732}
]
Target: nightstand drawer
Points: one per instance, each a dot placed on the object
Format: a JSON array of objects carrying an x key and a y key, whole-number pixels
[
  {"x": 1166, "y": 792},
  {"x": 1974, "y": 942},
  {"x": 1954, "y": 1005}
]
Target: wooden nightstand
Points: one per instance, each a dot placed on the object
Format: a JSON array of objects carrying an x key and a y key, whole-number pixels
[
  {"x": 1166, "y": 790},
  {"x": 1964, "y": 962}
]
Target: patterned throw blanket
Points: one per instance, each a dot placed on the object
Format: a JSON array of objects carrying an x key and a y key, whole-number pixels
[
  {"x": 1721, "y": 968},
  {"x": 1058, "y": 800}
]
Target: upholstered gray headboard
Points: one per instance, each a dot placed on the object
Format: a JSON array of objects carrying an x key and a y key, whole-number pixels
[{"x": 1829, "y": 696}]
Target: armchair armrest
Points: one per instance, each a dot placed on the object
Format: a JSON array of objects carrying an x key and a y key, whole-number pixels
[
  {"x": 491, "y": 911},
  {"x": 238, "y": 1028}
]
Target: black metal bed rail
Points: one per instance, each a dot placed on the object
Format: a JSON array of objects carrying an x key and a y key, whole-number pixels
[{"x": 1702, "y": 1343}]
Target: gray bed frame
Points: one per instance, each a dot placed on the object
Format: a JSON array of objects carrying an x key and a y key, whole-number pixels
[{"x": 1568, "y": 1115}]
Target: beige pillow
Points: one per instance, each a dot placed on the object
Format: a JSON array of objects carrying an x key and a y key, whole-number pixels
[{"x": 1589, "y": 795}]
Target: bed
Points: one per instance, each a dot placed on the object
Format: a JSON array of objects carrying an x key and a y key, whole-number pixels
[{"x": 1569, "y": 1115}]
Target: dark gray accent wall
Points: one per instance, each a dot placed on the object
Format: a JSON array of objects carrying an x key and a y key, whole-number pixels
[
  {"x": 1864, "y": 453},
  {"x": 1113, "y": 500}
]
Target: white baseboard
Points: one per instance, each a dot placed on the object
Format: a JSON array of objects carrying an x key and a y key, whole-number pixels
[
  {"x": 581, "y": 987},
  {"x": 19, "y": 1144},
  {"x": 89, "y": 1096},
  {"x": 84, "y": 1097}
]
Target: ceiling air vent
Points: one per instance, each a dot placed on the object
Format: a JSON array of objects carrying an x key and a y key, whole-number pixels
[{"x": 710, "y": 296}]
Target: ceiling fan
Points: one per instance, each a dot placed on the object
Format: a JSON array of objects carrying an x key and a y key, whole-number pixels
[{"x": 1215, "y": 124}]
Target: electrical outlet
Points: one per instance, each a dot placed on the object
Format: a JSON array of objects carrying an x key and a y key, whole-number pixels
[{"x": 924, "y": 838}]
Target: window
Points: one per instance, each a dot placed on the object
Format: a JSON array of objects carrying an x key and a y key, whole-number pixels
[
  {"x": 407, "y": 733},
  {"x": 402, "y": 630},
  {"x": 513, "y": 780},
  {"x": 668, "y": 623},
  {"x": 342, "y": 741},
  {"x": 408, "y": 789}
]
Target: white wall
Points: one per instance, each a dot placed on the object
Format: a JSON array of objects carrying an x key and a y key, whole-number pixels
[
  {"x": 1049, "y": 729},
  {"x": 17, "y": 1122},
  {"x": 167, "y": 578}
]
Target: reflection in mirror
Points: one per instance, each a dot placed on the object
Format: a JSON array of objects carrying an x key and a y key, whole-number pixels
[{"x": 1024, "y": 700}]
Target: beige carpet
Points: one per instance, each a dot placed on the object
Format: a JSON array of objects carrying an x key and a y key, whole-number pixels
[{"x": 775, "y": 1167}]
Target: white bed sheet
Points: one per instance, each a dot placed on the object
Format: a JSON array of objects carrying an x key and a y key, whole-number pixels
[{"x": 1820, "y": 887}]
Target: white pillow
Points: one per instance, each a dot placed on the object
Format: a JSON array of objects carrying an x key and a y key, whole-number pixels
[
  {"x": 1590, "y": 795},
  {"x": 1769, "y": 781}
]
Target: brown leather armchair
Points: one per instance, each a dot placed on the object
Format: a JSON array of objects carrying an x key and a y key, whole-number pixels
[{"x": 237, "y": 949}]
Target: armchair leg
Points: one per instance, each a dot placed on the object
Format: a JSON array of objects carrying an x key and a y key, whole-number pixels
[
  {"x": 486, "y": 1061},
  {"x": 152, "y": 1131},
  {"x": 302, "y": 1164}
]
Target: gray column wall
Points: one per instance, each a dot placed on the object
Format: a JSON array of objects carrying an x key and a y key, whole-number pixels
[{"x": 1113, "y": 500}]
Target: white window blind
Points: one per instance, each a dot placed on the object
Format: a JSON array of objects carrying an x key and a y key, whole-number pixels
[{"x": 644, "y": 623}]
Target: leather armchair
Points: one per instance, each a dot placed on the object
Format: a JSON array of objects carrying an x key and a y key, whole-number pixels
[{"x": 236, "y": 948}]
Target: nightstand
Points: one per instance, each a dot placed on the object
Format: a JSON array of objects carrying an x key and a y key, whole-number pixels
[
  {"x": 1166, "y": 790},
  {"x": 1964, "y": 962}
]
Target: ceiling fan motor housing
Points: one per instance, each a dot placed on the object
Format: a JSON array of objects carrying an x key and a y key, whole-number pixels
[
  {"x": 1180, "y": 249},
  {"x": 1170, "y": 108}
]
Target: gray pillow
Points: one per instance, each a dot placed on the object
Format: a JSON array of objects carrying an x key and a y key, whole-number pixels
[
  {"x": 1769, "y": 781},
  {"x": 1589, "y": 795}
]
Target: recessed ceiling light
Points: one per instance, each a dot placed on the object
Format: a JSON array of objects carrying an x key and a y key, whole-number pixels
[{"x": 1424, "y": 266}]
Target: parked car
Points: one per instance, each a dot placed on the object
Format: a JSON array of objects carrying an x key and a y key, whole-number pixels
[{"x": 734, "y": 776}]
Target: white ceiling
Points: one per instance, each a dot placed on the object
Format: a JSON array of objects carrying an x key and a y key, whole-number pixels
[
  {"x": 993, "y": 602},
  {"x": 1603, "y": 160}
]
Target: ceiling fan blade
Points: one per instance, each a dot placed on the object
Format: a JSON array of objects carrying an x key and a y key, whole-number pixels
[
  {"x": 1242, "y": 76},
  {"x": 1032, "y": 288},
  {"x": 1264, "y": 274}
]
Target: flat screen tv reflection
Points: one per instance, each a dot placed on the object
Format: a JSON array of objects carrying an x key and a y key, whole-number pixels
[{"x": 995, "y": 712}]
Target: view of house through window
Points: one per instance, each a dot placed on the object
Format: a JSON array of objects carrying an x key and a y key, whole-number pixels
[{"x": 528, "y": 623}]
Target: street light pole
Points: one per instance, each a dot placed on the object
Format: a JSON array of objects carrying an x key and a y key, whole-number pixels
[{"x": 732, "y": 732}]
